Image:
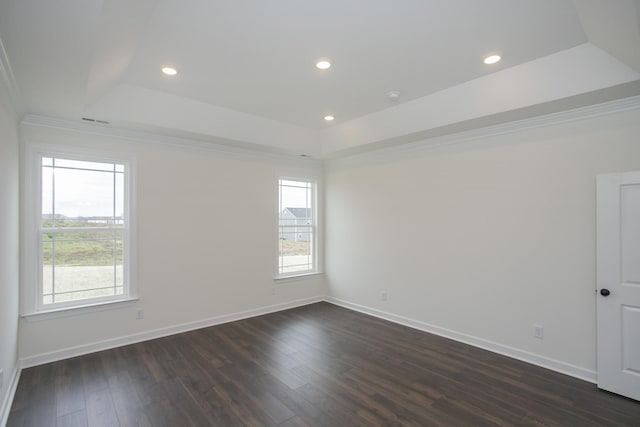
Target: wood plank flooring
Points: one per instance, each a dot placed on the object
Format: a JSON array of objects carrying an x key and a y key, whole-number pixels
[{"x": 318, "y": 365}]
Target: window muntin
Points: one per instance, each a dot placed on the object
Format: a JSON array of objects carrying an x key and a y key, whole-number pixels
[
  {"x": 297, "y": 240},
  {"x": 83, "y": 231}
]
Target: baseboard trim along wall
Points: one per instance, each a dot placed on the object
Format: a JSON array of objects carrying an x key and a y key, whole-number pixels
[
  {"x": 80, "y": 350},
  {"x": 8, "y": 398},
  {"x": 525, "y": 356}
]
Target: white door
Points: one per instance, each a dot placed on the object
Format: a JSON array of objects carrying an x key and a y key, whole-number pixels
[{"x": 618, "y": 283}]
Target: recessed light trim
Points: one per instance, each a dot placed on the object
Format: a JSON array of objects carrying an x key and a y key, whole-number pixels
[
  {"x": 323, "y": 64},
  {"x": 492, "y": 59},
  {"x": 329, "y": 118},
  {"x": 169, "y": 71},
  {"x": 393, "y": 95}
]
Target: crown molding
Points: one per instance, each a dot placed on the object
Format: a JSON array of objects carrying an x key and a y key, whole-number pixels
[
  {"x": 372, "y": 153},
  {"x": 9, "y": 82},
  {"x": 546, "y": 120},
  {"x": 225, "y": 147}
]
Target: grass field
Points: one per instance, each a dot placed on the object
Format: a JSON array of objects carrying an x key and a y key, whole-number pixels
[
  {"x": 95, "y": 246},
  {"x": 81, "y": 260}
]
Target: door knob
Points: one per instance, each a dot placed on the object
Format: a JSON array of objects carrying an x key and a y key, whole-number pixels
[{"x": 605, "y": 292}]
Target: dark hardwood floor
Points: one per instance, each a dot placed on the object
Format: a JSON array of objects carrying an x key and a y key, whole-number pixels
[{"x": 318, "y": 365}]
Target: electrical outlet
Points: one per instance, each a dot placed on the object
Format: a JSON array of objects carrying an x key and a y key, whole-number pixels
[
  {"x": 383, "y": 296},
  {"x": 538, "y": 331},
  {"x": 140, "y": 314}
]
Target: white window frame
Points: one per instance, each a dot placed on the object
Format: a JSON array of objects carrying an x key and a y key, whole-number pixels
[
  {"x": 32, "y": 280},
  {"x": 314, "y": 229}
]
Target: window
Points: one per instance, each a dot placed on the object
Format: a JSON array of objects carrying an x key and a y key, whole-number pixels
[
  {"x": 297, "y": 226},
  {"x": 80, "y": 230}
]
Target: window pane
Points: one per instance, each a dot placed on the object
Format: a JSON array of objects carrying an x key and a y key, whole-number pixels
[
  {"x": 47, "y": 197},
  {"x": 82, "y": 264},
  {"x": 47, "y": 265},
  {"x": 295, "y": 197},
  {"x": 84, "y": 196},
  {"x": 301, "y": 184},
  {"x": 295, "y": 256},
  {"x": 85, "y": 294},
  {"x": 81, "y": 164},
  {"x": 86, "y": 247},
  {"x": 119, "y": 199},
  {"x": 119, "y": 272}
]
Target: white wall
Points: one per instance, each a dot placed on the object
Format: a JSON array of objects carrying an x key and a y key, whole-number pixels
[
  {"x": 9, "y": 246},
  {"x": 484, "y": 238},
  {"x": 192, "y": 262}
]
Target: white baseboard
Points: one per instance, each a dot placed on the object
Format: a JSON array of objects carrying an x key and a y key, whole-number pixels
[
  {"x": 8, "y": 398},
  {"x": 525, "y": 356},
  {"x": 66, "y": 353}
]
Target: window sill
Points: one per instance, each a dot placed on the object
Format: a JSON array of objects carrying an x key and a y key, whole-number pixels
[
  {"x": 296, "y": 276},
  {"x": 77, "y": 310}
]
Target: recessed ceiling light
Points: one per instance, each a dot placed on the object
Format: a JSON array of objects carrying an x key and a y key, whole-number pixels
[
  {"x": 329, "y": 118},
  {"x": 169, "y": 71},
  {"x": 323, "y": 64},
  {"x": 492, "y": 59},
  {"x": 393, "y": 95}
]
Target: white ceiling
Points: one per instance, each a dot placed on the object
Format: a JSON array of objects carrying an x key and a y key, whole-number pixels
[{"x": 247, "y": 75}]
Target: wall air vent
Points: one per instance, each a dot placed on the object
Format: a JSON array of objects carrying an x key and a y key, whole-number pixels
[{"x": 88, "y": 119}]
